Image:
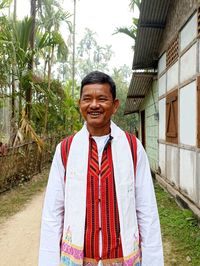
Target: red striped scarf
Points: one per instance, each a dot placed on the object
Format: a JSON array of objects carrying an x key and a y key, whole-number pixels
[{"x": 111, "y": 241}]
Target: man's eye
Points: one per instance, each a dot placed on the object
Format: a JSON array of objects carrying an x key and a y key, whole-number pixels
[
  {"x": 102, "y": 99},
  {"x": 86, "y": 99}
]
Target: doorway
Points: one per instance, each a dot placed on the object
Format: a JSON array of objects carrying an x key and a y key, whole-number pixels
[{"x": 143, "y": 135}]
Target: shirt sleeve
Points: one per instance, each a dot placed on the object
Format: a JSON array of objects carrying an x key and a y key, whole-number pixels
[
  {"x": 147, "y": 213},
  {"x": 53, "y": 214}
]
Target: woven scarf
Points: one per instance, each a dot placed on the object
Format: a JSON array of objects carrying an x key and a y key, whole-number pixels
[{"x": 72, "y": 251}]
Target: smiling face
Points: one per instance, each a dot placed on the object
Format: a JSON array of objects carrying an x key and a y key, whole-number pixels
[{"x": 97, "y": 106}]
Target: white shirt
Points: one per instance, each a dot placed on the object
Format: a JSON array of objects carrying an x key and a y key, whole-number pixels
[{"x": 146, "y": 209}]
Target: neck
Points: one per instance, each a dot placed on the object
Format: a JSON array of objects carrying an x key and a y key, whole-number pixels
[{"x": 99, "y": 131}]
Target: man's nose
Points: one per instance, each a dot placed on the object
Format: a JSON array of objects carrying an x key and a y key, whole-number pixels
[{"x": 94, "y": 103}]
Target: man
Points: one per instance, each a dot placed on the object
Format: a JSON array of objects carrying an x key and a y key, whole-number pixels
[{"x": 102, "y": 214}]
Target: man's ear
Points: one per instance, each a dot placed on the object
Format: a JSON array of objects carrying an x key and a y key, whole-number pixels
[{"x": 116, "y": 105}]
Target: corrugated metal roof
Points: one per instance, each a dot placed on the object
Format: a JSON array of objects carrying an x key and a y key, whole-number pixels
[
  {"x": 152, "y": 21},
  {"x": 140, "y": 84}
]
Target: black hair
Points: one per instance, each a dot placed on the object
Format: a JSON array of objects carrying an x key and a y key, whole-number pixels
[{"x": 97, "y": 77}]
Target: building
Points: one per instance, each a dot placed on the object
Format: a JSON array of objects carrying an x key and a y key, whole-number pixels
[{"x": 165, "y": 91}]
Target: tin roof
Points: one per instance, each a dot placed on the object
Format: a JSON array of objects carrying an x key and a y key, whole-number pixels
[
  {"x": 152, "y": 20},
  {"x": 140, "y": 84}
]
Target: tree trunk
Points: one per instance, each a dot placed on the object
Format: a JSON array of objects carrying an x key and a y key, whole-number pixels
[
  {"x": 13, "y": 96},
  {"x": 50, "y": 62},
  {"x": 13, "y": 67},
  {"x": 30, "y": 64},
  {"x": 73, "y": 56}
]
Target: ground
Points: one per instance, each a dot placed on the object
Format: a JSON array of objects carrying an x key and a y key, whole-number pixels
[{"x": 19, "y": 238}]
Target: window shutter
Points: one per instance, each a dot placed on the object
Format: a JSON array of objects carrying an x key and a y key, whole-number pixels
[
  {"x": 172, "y": 117},
  {"x": 198, "y": 111}
]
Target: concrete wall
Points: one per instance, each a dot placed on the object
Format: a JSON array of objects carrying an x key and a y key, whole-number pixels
[
  {"x": 179, "y": 163},
  {"x": 150, "y": 105}
]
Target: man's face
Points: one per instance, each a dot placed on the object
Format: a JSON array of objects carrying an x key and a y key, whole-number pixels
[{"x": 97, "y": 106}]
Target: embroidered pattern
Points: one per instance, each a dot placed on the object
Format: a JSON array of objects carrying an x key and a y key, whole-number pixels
[
  {"x": 70, "y": 254},
  {"x": 133, "y": 259}
]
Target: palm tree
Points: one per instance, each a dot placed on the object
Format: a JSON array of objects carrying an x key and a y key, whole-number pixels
[
  {"x": 132, "y": 30},
  {"x": 52, "y": 15},
  {"x": 135, "y": 3}
]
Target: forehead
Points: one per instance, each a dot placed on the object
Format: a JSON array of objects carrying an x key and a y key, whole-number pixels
[{"x": 97, "y": 88}]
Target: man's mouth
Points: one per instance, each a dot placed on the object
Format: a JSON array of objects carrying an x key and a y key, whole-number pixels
[{"x": 94, "y": 114}]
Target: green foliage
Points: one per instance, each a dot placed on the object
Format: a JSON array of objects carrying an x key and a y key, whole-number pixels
[
  {"x": 91, "y": 56},
  {"x": 5, "y": 3},
  {"x": 73, "y": 116},
  {"x": 131, "y": 31},
  {"x": 134, "y": 4},
  {"x": 63, "y": 109},
  {"x": 128, "y": 122},
  {"x": 51, "y": 14}
]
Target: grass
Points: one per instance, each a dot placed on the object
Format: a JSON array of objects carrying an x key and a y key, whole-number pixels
[
  {"x": 180, "y": 229},
  {"x": 14, "y": 200}
]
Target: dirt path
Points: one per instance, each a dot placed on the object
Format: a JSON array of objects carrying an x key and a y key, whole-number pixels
[{"x": 19, "y": 235}]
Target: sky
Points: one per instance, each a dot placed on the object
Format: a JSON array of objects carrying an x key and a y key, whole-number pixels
[{"x": 102, "y": 17}]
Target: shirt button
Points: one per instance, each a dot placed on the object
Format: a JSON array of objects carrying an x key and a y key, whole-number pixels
[{"x": 99, "y": 228}]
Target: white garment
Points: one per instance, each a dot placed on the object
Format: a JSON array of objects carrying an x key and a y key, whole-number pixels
[{"x": 145, "y": 204}]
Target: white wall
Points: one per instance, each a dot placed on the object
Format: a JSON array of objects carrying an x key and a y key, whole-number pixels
[
  {"x": 189, "y": 32},
  {"x": 162, "y": 85},
  {"x": 188, "y": 114},
  {"x": 188, "y": 172},
  {"x": 162, "y": 159},
  {"x": 162, "y": 64},
  {"x": 172, "y": 76},
  {"x": 188, "y": 64},
  {"x": 172, "y": 164},
  {"x": 198, "y": 178}
]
